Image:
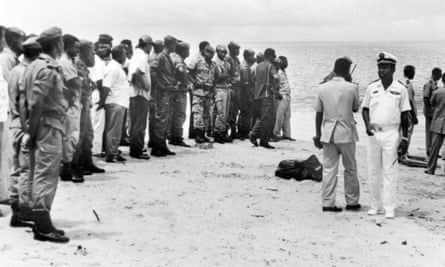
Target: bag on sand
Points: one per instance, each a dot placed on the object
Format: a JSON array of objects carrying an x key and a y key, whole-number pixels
[{"x": 309, "y": 169}]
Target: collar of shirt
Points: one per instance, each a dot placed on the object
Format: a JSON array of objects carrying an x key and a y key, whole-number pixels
[
  {"x": 115, "y": 64},
  {"x": 11, "y": 53},
  {"x": 49, "y": 59}
]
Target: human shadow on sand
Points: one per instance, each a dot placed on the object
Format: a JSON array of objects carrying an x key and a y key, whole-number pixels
[{"x": 87, "y": 234}]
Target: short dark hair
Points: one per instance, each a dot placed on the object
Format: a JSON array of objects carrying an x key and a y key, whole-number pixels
[
  {"x": 128, "y": 42},
  {"x": 85, "y": 47},
  {"x": 248, "y": 52},
  {"x": 282, "y": 58},
  {"x": 49, "y": 45},
  {"x": 69, "y": 40},
  {"x": 117, "y": 51},
  {"x": 436, "y": 71},
  {"x": 409, "y": 71},
  {"x": 269, "y": 52},
  {"x": 341, "y": 66},
  {"x": 203, "y": 45},
  {"x": 32, "y": 52}
]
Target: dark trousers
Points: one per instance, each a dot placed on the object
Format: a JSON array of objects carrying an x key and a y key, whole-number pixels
[
  {"x": 428, "y": 135},
  {"x": 139, "y": 106},
  {"x": 234, "y": 110},
  {"x": 265, "y": 119},
  {"x": 178, "y": 106},
  {"x": 436, "y": 144},
  {"x": 83, "y": 153},
  {"x": 114, "y": 117},
  {"x": 161, "y": 118},
  {"x": 245, "y": 115}
]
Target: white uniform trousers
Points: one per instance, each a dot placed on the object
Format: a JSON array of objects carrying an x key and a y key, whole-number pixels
[
  {"x": 98, "y": 119},
  {"x": 383, "y": 168},
  {"x": 331, "y": 157}
]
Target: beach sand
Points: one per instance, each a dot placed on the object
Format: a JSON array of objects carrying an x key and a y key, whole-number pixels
[{"x": 224, "y": 207}]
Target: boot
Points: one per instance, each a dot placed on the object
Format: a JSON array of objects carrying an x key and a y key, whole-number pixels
[
  {"x": 77, "y": 174},
  {"x": 66, "y": 172},
  {"x": 91, "y": 167},
  {"x": 19, "y": 217},
  {"x": 167, "y": 151},
  {"x": 199, "y": 137},
  {"x": 178, "y": 141},
  {"x": 233, "y": 133},
  {"x": 44, "y": 229},
  {"x": 227, "y": 138},
  {"x": 219, "y": 138}
]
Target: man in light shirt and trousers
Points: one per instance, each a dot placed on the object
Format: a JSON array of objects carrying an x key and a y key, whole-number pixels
[
  {"x": 385, "y": 108},
  {"x": 337, "y": 134},
  {"x": 140, "y": 95}
]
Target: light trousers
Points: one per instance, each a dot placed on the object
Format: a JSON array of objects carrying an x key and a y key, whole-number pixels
[
  {"x": 98, "y": 118},
  {"x": 282, "y": 119},
  {"x": 331, "y": 158},
  {"x": 383, "y": 168}
]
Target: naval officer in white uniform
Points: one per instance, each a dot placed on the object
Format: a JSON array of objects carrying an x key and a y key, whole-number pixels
[{"x": 385, "y": 109}]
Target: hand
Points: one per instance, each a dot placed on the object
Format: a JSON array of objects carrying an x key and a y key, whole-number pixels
[
  {"x": 278, "y": 96},
  {"x": 403, "y": 147},
  {"x": 370, "y": 131},
  {"x": 415, "y": 120},
  {"x": 100, "y": 105},
  {"x": 27, "y": 141},
  {"x": 317, "y": 142}
]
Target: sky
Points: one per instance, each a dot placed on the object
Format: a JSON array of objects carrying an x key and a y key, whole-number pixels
[{"x": 243, "y": 20}]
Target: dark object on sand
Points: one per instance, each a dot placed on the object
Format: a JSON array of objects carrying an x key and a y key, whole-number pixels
[
  {"x": 414, "y": 161},
  {"x": 309, "y": 169}
]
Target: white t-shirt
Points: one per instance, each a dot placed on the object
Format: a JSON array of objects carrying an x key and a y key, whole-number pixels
[
  {"x": 4, "y": 98},
  {"x": 139, "y": 61},
  {"x": 116, "y": 80},
  {"x": 97, "y": 72}
]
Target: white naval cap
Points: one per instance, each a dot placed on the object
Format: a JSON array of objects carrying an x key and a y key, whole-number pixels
[{"x": 386, "y": 58}]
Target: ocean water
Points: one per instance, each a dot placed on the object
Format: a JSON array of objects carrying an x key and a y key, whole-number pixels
[{"x": 310, "y": 62}]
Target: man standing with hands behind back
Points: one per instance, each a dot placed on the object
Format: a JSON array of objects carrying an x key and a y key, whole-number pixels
[
  {"x": 336, "y": 133},
  {"x": 385, "y": 108}
]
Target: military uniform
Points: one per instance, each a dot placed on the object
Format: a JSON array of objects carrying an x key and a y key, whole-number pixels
[
  {"x": 385, "y": 108},
  {"x": 428, "y": 90},
  {"x": 437, "y": 129},
  {"x": 203, "y": 76},
  {"x": 178, "y": 101},
  {"x": 222, "y": 98},
  {"x": 245, "y": 100},
  {"x": 166, "y": 81},
  {"x": 235, "y": 88},
  {"x": 73, "y": 114},
  {"x": 266, "y": 83}
]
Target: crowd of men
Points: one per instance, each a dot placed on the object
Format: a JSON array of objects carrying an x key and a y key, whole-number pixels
[
  {"x": 389, "y": 113},
  {"x": 70, "y": 99}
]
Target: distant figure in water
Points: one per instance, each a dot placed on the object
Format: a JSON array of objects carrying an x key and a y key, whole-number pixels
[{"x": 336, "y": 133}]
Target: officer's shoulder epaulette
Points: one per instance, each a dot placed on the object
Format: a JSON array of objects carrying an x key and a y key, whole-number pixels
[
  {"x": 374, "y": 81},
  {"x": 402, "y": 83}
]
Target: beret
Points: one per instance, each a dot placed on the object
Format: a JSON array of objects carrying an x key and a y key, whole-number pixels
[
  {"x": 233, "y": 45},
  {"x": 105, "y": 38},
  {"x": 49, "y": 34},
  {"x": 15, "y": 31},
  {"x": 31, "y": 42},
  {"x": 146, "y": 39}
]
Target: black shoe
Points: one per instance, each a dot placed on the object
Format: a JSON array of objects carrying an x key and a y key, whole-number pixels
[
  {"x": 100, "y": 155},
  {"x": 86, "y": 172},
  {"x": 111, "y": 159},
  {"x": 45, "y": 231},
  {"x": 52, "y": 236},
  {"x": 120, "y": 158},
  {"x": 429, "y": 172},
  {"x": 78, "y": 179},
  {"x": 355, "y": 207},
  {"x": 178, "y": 143},
  {"x": 157, "y": 153},
  {"x": 275, "y": 139},
  {"x": 289, "y": 138},
  {"x": 332, "y": 209},
  {"x": 168, "y": 152},
  {"x": 219, "y": 139},
  {"x": 77, "y": 174},
  {"x": 253, "y": 139},
  {"x": 199, "y": 139},
  {"x": 21, "y": 217},
  {"x": 140, "y": 156},
  {"x": 267, "y": 145},
  {"x": 227, "y": 139},
  {"x": 66, "y": 172},
  {"x": 93, "y": 168}
]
